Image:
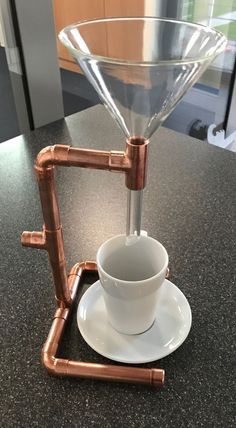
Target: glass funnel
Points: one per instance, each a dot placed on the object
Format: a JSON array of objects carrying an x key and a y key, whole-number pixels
[{"x": 141, "y": 67}]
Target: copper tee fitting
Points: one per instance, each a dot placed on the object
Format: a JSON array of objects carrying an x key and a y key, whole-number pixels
[{"x": 137, "y": 153}]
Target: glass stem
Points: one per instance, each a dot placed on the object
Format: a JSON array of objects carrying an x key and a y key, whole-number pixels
[{"x": 134, "y": 212}]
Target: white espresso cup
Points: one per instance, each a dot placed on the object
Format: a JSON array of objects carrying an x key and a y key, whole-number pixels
[{"x": 131, "y": 276}]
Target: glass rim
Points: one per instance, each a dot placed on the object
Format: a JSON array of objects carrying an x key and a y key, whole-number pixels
[{"x": 111, "y": 60}]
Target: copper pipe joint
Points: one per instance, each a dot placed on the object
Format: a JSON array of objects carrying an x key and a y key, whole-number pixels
[
  {"x": 86, "y": 266},
  {"x": 137, "y": 152}
]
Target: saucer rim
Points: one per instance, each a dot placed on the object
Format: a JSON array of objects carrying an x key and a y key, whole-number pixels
[{"x": 164, "y": 354}]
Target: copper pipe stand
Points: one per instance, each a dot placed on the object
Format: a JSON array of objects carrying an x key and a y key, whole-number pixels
[{"x": 132, "y": 163}]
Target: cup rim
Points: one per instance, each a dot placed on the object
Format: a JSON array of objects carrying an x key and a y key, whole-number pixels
[{"x": 133, "y": 283}]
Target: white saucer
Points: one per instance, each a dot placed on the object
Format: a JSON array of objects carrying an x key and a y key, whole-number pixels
[{"x": 170, "y": 329}]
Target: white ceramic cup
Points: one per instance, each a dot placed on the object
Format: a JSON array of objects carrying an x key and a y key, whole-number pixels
[{"x": 131, "y": 276}]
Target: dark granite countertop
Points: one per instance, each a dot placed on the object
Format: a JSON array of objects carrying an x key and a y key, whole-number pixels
[{"x": 189, "y": 205}]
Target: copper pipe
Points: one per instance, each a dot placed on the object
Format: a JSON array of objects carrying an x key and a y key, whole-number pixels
[
  {"x": 65, "y": 367},
  {"x": 48, "y": 197},
  {"x": 76, "y": 273},
  {"x": 133, "y": 161},
  {"x": 137, "y": 151},
  {"x": 34, "y": 240},
  {"x": 79, "y": 268},
  {"x": 52, "y": 238},
  {"x": 53, "y": 233},
  {"x": 84, "y": 158}
]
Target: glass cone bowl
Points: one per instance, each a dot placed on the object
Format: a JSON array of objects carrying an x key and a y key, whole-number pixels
[{"x": 141, "y": 66}]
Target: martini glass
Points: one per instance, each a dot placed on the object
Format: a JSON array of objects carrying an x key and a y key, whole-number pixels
[{"x": 141, "y": 67}]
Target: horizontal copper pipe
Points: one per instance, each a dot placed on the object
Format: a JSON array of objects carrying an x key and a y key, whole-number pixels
[
  {"x": 65, "y": 367},
  {"x": 34, "y": 240},
  {"x": 133, "y": 161},
  {"x": 84, "y": 158}
]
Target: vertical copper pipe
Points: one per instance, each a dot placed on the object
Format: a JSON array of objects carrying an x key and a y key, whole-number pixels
[
  {"x": 53, "y": 233},
  {"x": 48, "y": 197}
]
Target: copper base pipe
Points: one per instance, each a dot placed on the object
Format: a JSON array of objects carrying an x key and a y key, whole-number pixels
[{"x": 65, "y": 367}]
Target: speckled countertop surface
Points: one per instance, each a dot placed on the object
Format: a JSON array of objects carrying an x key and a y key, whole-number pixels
[{"x": 190, "y": 206}]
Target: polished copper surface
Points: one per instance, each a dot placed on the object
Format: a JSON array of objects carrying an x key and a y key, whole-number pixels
[
  {"x": 65, "y": 367},
  {"x": 34, "y": 240},
  {"x": 133, "y": 163},
  {"x": 48, "y": 197},
  {"x": 137, "y": 151},
  {"x": 85, "y": 158}
]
